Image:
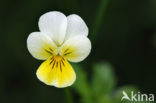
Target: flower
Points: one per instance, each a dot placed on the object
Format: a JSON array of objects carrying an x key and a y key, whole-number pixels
[{"x": 61, "y": 39}]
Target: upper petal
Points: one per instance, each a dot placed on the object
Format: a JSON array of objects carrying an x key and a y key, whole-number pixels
[
  {"x": 40, "y": 46},
  {"x": 76, "y": 26},
  {"x": 76, "y": 49},
  {"x": 54, "y": 24}
]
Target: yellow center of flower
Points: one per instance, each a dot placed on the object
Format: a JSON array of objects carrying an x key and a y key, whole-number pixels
[{"x": 58, "y": 62}]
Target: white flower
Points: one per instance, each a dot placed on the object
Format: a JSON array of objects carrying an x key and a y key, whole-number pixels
[{"x": 60, "y": 39}]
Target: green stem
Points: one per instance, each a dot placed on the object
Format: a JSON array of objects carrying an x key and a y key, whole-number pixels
[
  {"x": 68, "y": 94},
  {"x": 98, "y": 20}
]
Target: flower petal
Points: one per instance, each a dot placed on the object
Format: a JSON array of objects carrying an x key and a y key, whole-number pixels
[
  {"x": 76, "y": 26},
  {"x": 40, "y": 46},
  {"x": 76, "y": 48},
  {"x": 56, "y": 71},
  {"x": 54, "y": 24}
]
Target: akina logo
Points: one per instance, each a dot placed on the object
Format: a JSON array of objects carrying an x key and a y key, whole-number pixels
[{"x": 137, "y": 96}]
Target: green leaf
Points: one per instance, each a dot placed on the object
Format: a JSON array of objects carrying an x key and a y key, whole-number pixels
[
  {"x": 104, "y": 80},
  {"x": 105, "y": 99},
  {"x": 82, "y": 85}
]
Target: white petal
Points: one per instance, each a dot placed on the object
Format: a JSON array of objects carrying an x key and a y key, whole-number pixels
[
  {"x": 76, "y": 26},
  {"x": 40, "y": 46},
  {"x": 54, "y": 24},
  {"x": 76, "y": 49}
]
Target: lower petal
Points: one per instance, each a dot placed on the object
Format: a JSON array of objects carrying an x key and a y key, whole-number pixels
[{"x": 56, "y": 71}]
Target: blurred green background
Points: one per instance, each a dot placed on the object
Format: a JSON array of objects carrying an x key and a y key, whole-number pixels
[{"x": 123, "y": 56}]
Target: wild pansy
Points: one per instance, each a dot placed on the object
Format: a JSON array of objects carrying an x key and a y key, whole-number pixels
[{"x": 61, "y": 39}]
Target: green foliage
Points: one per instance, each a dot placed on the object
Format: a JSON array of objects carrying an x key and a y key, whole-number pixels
[
  {"x": 98, "y": 20},
  {"x": 101, "y": 87},
  {"x": 103, "y": 74},
  {"x": 81, "y": 85}
]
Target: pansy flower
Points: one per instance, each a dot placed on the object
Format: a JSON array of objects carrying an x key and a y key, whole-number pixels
[{"x": 60, "y": 39}]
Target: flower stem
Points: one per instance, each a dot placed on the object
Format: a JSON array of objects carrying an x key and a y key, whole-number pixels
[
  {"x": 69, "y": 98},
  {"x": 98, "y": 20}
]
